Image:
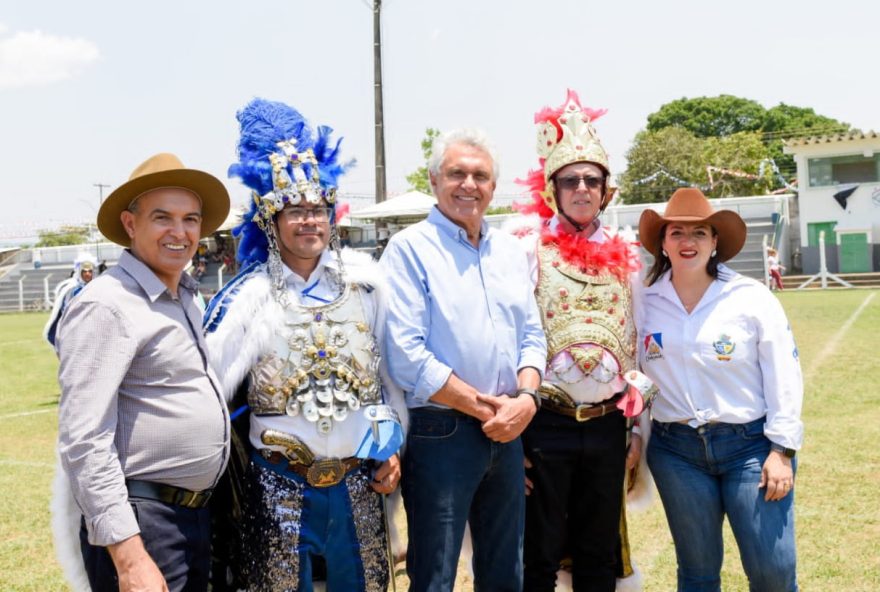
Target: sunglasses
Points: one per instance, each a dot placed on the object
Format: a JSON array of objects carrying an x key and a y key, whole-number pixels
[{"x": 571, "y": 183}]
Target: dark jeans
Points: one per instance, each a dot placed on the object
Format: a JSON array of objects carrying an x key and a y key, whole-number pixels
[
  {"x": 452, "y": 474},
  {"x": 577, "y": 472},
  {"x": 178, "y": 539},
  {"x": 288, "y": 525}
]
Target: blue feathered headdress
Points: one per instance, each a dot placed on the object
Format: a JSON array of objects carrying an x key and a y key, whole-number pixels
[{"x": 283, "y": 162}]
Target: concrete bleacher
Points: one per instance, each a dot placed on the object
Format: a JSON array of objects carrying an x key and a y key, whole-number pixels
[
  {"x": 25, "y": 289},
  {"x": 760, "y": 214},
  {"x": 23, "y": 283},
  {"x": 750, "y": 261}
]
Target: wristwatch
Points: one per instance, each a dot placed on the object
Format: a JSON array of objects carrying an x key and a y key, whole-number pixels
[
  {"x": 530, "y": 392},
  {"x": 787, "y": 452}
]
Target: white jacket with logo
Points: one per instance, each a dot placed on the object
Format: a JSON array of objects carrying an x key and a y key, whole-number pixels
[{"x": 732, "y": 360}]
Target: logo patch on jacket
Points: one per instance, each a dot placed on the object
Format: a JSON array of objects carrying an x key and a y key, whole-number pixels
[
  {"x": 724, "y": 347},
  {"x": 654, "y": 346}
]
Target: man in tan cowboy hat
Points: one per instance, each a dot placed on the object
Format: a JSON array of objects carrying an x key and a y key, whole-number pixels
[
  {"x": 143, "y": 432},
  {"x": 579, "y": 443}
]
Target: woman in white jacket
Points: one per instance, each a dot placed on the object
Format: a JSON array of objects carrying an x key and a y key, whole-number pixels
[{"x": 726, "y": 423}]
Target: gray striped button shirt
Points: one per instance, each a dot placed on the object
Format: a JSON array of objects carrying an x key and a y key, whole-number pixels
[{"x": 138, "y": 400}]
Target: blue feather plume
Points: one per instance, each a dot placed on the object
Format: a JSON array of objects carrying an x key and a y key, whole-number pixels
[{"x": 263, "y": 124}]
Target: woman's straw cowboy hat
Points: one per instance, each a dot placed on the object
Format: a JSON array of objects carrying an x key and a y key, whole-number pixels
[
  {"x": 690, "y": 205},
  {"x": 164, "y": 170}
]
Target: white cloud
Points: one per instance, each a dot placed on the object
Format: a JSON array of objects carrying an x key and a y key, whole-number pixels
[{"x": 35, "y": 58}]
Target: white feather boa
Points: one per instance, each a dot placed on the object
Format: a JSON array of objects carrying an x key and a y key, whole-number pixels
[
  {"x": 66, "y": 517},
  {"x": 245, "y": 333},
  {"x": 242, "y": 336}
]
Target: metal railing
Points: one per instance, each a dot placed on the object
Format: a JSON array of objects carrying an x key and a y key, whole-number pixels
[{"x": 47, "y": 302}]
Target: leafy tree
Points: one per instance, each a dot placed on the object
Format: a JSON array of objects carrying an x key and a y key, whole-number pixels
[
  {"x": 741, "y": 152},
  {"x": 496, "y": 210},
  {"x": 419, "y": 180},
  {"x": 65, "y": 235},
  {"x": 788, "y": 118},
  {"x": 683, "y": 159},
  {"x": 685, "y": 136},
  {"x": 710, "y": 116},
  {"x": 671, "y": 152},
  {"x": 783, "y": 121}
]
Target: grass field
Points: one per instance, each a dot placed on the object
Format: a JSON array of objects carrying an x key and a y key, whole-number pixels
[{"x": 838, "y": 504}]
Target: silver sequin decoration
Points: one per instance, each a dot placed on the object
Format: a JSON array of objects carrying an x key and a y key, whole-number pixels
[
  {"x": 369, "y": 526},
  {"x": 271, "y": 530}
]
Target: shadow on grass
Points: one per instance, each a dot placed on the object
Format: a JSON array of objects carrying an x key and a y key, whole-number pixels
[{"x": 51, "y": 402}]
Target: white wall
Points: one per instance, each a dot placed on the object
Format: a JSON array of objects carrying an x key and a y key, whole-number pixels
[{"x": 817, "y": 204}]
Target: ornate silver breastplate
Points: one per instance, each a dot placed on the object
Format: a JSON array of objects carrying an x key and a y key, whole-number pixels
[{"x": 324, "y": 363}]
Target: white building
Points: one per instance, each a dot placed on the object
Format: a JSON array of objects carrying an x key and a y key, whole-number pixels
[{"x": 827, "y": 168}]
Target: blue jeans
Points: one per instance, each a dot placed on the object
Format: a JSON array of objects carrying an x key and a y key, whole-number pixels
[
  {"x": 452, "y": 474},
  {"x": 704, "y": 474},
  {"x": 287, "y": 523}
]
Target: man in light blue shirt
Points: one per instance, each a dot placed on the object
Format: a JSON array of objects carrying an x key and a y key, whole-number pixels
[{"x": 464, "y": 340}]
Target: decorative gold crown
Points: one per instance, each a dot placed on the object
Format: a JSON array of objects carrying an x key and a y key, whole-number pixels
[
  {"x": 566, "y": 136},
  {"x": 287, "y": 190}
]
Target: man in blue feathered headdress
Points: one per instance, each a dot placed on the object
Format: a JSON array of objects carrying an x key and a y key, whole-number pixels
[{"x": 298, "y": 332}]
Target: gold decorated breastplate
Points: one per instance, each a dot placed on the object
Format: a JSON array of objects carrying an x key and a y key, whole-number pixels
[
  {"x": 580, "y": 307},
  {"x": 324, "y": 363}
]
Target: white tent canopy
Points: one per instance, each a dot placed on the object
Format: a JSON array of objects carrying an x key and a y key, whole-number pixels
[
  {"x": 413, "y": 204},
  {"x": 233, "y": 219}
]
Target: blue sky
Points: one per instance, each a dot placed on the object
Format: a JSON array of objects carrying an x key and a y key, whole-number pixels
[{"x": 91, "y": 88}]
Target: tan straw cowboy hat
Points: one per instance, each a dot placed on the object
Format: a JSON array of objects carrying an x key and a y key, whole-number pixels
[
  {"x": 690, "y": 205},
  {"x": 164, "y": 170}
]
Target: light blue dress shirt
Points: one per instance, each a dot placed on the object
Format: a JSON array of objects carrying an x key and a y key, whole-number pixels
[{"x": 456, "y": 308}]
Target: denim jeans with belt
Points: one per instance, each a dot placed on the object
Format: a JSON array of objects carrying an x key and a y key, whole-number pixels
[
  {"x": 289, "y": 525},
  {"x": 452, "y": 474},
  {"x": 704, "y": 474}
]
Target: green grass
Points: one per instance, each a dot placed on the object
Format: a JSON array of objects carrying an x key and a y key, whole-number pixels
[
  {"x": 28, "y": 368},
  {"x": 838, "y": 519}
]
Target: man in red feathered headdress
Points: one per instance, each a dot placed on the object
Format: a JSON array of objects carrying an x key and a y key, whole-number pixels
[{"x": 582, "y": 441}]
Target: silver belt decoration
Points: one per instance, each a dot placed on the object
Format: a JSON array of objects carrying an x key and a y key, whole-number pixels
[{"x": 325, "y": 365}]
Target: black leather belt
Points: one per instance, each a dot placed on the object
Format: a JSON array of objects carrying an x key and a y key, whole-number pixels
[{"x": 168, "y": 494}]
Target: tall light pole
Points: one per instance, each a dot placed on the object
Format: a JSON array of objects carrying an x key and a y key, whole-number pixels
[
  {"x": 377, "y": 94},
  {"x": 100, "y": 187}
]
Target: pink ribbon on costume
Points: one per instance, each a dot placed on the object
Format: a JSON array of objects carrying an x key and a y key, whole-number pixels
[{"x": 640, "y": 392}]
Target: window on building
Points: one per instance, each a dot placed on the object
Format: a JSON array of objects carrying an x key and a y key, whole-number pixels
[
  {"x": 813, "y": 230},
  {"x": 855, "y": 168}
]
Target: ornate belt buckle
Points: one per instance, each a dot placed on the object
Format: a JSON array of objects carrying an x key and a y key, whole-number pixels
[
  {"x": 580, "y": 413},
  {"x": 326, "y": 472}
]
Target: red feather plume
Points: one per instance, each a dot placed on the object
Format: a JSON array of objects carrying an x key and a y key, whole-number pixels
[{"x": 616, "y": 255}]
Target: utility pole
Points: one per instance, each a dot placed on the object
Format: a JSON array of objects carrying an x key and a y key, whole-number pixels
[
  {"x": 377, "y": 90},
  {"x": 100, "y": 187}
]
